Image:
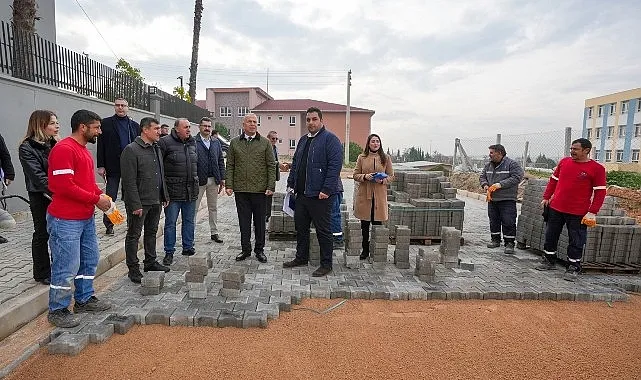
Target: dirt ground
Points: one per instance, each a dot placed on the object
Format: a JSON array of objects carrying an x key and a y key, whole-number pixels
[{"x": 378, "y": 340}]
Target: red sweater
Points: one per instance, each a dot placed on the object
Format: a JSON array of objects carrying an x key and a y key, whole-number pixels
[
  {"x": 72, "y": 181},
  {"x": 572, "y": 186}
]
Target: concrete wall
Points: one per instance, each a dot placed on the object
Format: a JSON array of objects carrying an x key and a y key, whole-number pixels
[
  {"x": 45, "y": 27},
  {"x": 20, "y": 98}
]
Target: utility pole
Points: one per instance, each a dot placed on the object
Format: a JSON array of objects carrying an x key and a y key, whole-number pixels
[{"x": 347, "y": 116}]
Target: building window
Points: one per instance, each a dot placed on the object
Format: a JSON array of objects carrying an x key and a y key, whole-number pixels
[
  {"x": 635, "y": 155},
  {"x": 639, "y": 105},
  {"x": 589, "y": 136},
  {"x": 608, "y": 155},
  {"x": 637, "y": 130},
  {"x": 242, "y": 111},
  {"x": 292, "y": 121},
  {"x": 269, "y": 117},
  {"x": 292, "y": 144},
  {"x": 225, "y": 111},
  {"x": 619, "y": 155},
  {"x": 600, "y": 113},
  {"x": 280, "y": 117},
  {"x": 624, "y": 106},
  {"x": 597, "y": 133},
  {"x": 280, "y": 141},
  {"x": 596, "y": 154},
  {"x": 610, "y": 132},
  {"x": 590, "y": 109},
  {"x": 613, "y": 108},
  {"x": 258, "y": 121},
  {"x": 621, "y": 130}
]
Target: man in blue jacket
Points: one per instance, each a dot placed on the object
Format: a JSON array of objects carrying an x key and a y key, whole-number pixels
[{"x": 315, "y": 180}]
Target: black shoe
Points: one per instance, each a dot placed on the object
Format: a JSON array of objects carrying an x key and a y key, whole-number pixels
[
  {"x": 109, "y": 230},
  {"x": 243, "y": 255},
  {"x": 215, "y": 238},
  {"x": 44, "y": 281},
  {"x": 169, "y": 258},
  {"x": 572, "y": 273},
  {"x": 156, "y": 267},
  {"x": 63, "y": 318},
  {"x": 294, "y": 263},
  {"x": 134, "y": 275},
  {"x": 546, "y": 265},
  {"x": 260, "y": 256},
  {"x": 321, "y": 271},
  {"x": 338, "y": 244},
  {"x": 509, "y": 249},
  {"x": 92, "y": 305},
  {"x": 188, "y": 252},
  {"x": 494, "y": 244},
  {"x": 364, "y": 255},
  {"x": 3, "y": 240}
]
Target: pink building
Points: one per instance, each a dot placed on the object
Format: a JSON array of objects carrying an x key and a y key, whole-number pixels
[{"x": 229, "y": 105}]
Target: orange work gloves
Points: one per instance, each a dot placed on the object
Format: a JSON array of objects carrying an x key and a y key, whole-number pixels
[
  {"x": 114, "y": 215},
  {"x": 490, "y": 190},
  {"x": 589, "y": 219}
]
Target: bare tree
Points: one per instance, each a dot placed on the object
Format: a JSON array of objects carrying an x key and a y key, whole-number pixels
[
  {"x": 193, "y": 68},
  {"x": 24, "y": 28}
]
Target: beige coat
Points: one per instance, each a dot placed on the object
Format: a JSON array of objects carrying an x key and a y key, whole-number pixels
[{"x": 366, "y": 189}]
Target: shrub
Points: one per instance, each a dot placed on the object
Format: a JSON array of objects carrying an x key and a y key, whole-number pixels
[{"x": 630, "y": 180}]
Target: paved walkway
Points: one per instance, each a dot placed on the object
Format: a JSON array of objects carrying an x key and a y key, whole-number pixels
[{"x": 269, "y": 289}]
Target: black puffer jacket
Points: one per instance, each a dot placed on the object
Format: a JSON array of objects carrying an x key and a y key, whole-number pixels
[
  {"x": 5, "y": 161},
  {"x": 181, "y": 167},
  {"x": 34, "y": 157}
]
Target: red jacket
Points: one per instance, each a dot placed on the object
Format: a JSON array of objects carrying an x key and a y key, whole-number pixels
[
  {"x": 72, "y": 181},
  {"x": 576, "y": 187}
]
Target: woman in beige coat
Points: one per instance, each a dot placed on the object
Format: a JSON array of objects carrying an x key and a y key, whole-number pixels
[{"x": 370, "y": 202}]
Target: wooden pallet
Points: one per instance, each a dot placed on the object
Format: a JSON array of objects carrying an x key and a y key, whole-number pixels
[
  {"x": 424, "y": 240},
  {"x": 620, "y": 268},
  {"x": 281, "y": 236}
]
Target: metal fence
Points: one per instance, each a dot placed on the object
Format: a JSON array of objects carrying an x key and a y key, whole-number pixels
[
  {"x": 533, "y": 150},
  {"x": 30, "y": 57}
]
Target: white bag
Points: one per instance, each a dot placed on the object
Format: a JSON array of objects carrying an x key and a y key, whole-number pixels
[{"x": 289, "y": 204}]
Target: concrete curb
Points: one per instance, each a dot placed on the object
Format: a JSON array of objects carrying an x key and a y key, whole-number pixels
[{"x": 470, "y": 194}]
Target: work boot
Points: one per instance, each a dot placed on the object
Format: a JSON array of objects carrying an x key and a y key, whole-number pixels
[
  {"x": 509, "y": 248},
  {"x": 365, "y": 252},
  {"x": 188, "y": 252},
  {"x": 294, "y": 263},
  {"x": 494, "y": 244},
  {"x": 572, "y": 273},
  {"x": 92, "y": 305},
  {"x": 134, "y": 275},
  {"x": 547, "y": 264},
  {"x": 63, "y": 318},
  {"x": 3, "y": 240},
  {"x": 169, "y": 258},
  {"x": 321, "y": 271},
  {"x": 156, "y": 267},
  {"x": 338, "y": 244}
]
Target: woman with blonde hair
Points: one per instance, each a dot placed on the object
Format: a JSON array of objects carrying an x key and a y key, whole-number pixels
[
  {"x": 373, "y": 172},
  {"x": 42, "y": 135}
]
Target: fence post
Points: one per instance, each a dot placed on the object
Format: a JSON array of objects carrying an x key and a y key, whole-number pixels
[
  {"x": 498, "y": 138},
  {"x": 154, "y": 105},
  {"x": 456, "y": 142},
  {"x": 568, "y": 141},
  {"x": 525, "y": 154}
]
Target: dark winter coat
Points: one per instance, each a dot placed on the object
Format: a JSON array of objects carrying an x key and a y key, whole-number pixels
[
  {"x": 108, "y": 149},
  {"x": 34, "y": 157},
  {"x": 5, "y": 161},
  {"x": 508, "y": 173},
  {"x": 142, "y": 175},
  {"x": 250, "y": 165},
  {"x": 181, "y": 167},
  {"x": 210, "y": 161}
]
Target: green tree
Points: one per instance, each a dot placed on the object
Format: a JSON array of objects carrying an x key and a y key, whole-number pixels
[
  {"x": 222, "y": 130},
  {"x": 182, "y": 94},
  {"x": 354, "y": 151},
  {"x": 127, "y": 82},
  {"x": 124, "y": 67},
  {"x": 542, "y": 161}
]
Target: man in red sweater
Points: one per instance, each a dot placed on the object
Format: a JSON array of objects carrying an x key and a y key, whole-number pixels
[
  {"x": 574, "y": 195},
  {"x": 70, "y": 222}
]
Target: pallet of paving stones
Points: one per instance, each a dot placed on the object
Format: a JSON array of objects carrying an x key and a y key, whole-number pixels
[
  {"x": 424, "y": 240},
  {"x": 610, "y": 268}
]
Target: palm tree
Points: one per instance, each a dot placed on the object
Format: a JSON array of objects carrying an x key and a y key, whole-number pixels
[
  {"x": 24, "y": 28},
  {"x": 193, "y": 68}
]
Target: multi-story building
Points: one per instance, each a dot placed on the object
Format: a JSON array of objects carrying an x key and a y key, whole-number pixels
[
  {"x": 287, "y": 117},
  {"x": 613, "y": 124},
  {"x": 230, "y": 105}
]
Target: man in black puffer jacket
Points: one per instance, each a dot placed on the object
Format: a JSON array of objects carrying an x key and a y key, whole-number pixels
[{"x": 181, "y": 176}]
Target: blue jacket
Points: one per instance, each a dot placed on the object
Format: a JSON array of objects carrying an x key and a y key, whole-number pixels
[
  {"x": 324, "y": 164},
  {"x": 210, "y": 161}
]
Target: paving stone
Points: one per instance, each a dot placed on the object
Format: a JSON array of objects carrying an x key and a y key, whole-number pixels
[
  {"x": 272, "y": 309},
  {"x": 154, "y": 279},
  {"x": 98, "y": 333},
  {"x": 240, "y": 306},
  {"x": 229, "y": 292},
  {"x": 284, "y": 302},
  {"x": 182, "y": 317},
  {"x": 139, "y": 314},
  {"x": 194, "y": 277},
  {"x": 231, "y": 319},
  {"x": 359, "y": 292},
  {"x": 159, "y": 316},
  {"x": 206, "y": 318},
  {"x": 340, "y": 292},
  {"x": 68, "y": 344},
  {"x": 122, "y": 323},
  {"x": 255, "y": 319},
  {"x": 149, "y": 291}
]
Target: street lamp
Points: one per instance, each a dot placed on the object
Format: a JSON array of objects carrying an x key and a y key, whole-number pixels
[{"x": 181, "y": 86}]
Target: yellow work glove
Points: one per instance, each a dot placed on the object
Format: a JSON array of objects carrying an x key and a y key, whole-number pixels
[
  {"x": 589, "y": 219},
  {"x": 494, "y": 187}
]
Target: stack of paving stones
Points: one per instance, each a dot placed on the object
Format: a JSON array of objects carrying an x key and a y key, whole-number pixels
[
  {"x": 195, "y": 277},
  {"x": 152, "y": 283},
  {"x": 233, "y": 280},
  {"x": 280, "y": 223},
  {"x": 314, "y": 248},
  {"x": 424, "y": 201},
  {"x": 615, "y": 239},
  {"x": 353, "y": 238},
  {"x": 96, "y": 328},
  {"x": 426, "y": 262},
  {"x": 450, "y": 245},
  {"x": 402, "y": 247},
  {"x": 378, "y": 244}
]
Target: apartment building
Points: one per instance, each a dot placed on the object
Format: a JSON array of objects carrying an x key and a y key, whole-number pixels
[
  {"x": 287, "y": 117},
  {"x": 230, "y": 105},
  {"x": 613, "y": 124}
]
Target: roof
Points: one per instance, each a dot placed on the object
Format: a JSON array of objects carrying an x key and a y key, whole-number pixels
[
  {"x": 301, "y": 105},
  {"x": 242, "y": 89},
  {"x": 201, "y": 103}
]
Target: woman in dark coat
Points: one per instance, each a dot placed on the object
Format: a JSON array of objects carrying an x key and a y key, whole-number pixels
[{"x": 42, "y": 134}]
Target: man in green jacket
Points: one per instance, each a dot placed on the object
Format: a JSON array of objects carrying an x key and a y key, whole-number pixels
[{"x": 251, "y": 174}]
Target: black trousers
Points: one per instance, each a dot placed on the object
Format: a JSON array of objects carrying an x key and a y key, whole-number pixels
[
  {"x": 248, "y": 206},
  {"x": 38, "y": 204},
  {"x": 577, "y": 232},
  {"x": 113, "y": 183},
  {"x": 319, "y": 211},
  {"x": 502, "y": 215},
  {"x": 365, "y": 227},
  {"x": 135, "y": 224}
]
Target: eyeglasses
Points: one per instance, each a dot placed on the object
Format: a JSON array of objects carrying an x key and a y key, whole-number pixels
[
  {"x": 274, "y": 138},
  {"x": 121, "y": 105}
]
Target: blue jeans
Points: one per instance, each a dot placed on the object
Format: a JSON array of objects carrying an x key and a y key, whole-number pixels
[
  {"x": 335, "y": 222},
  {"x": 188, "y": 211},
  {"x": 74, "y": 256}
]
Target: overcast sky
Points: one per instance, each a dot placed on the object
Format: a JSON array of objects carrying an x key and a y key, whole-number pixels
[{"x": 432, "y": 70}]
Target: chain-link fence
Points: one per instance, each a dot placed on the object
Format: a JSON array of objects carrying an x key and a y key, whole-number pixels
[{"x": 533, "y": 150}]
